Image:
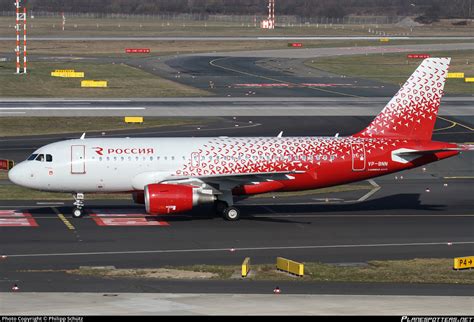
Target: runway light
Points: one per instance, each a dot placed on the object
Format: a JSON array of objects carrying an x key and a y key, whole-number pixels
[
  {"x": 232, "y": 250},
  {"x": 15, "y": 288},
  {"x": 198, "y": 128},
  {"x": 427, "y": 190},
  {"x": 401, "y": 177},
  {"x": 396, "y": 178},
  {"x": 4, "y": 257},
  {"x": 450, "y": 244},
  {"x": 424, "y": 169},
  {"x": 276, "y": 290},
  {"x": 445, "y": 185}
]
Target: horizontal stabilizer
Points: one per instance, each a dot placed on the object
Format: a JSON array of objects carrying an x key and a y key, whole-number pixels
[{"x": 460, "y": 147}]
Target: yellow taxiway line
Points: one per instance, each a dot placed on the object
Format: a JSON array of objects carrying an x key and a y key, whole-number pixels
[{"x": 64, "y": 219}]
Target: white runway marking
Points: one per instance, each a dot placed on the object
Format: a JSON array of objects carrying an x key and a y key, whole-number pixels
[
  {"x": 71, "y": 108},
  {"x": 204, "y": 250}
]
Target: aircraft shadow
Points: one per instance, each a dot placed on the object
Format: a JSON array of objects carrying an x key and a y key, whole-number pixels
[{"x": 404, "y": 201}]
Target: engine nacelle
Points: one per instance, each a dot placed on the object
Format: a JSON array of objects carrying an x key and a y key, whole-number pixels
[{"x": 161, "y": 199}]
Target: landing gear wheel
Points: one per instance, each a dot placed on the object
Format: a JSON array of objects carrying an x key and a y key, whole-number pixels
[
  {"x": 231, "y": 214},
  {"x": 77, "y": 212},
  {"x": 220, "y": 206}
]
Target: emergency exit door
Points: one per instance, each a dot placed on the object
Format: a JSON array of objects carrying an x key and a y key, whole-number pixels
[{"x": 78, "y": 161}]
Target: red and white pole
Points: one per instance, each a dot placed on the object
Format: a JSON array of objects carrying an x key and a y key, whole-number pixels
[
  {"x": 17, "y": 27},
  {"x": 24, "y": 40}
]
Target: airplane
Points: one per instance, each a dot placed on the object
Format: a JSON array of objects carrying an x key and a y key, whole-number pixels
[{"x": 173, "y": 175}]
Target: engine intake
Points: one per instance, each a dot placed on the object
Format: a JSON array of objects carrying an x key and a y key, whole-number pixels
[{"x": 161, "y": 199}]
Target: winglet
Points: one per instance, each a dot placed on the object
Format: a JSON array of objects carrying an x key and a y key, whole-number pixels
[
  {"x": 83, "y": 136},
  {"x": 280, "y": 134}
]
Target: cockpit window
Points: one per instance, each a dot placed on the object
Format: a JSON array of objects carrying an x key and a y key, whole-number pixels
[
  {"x": 49, "y": 158},
  {"x": 40, "y": 157},
  {"x": 32, "y": 157}
]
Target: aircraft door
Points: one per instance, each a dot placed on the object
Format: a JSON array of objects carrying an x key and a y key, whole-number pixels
[
  {"x": 358, "y": 156},
  {"x": 78, "y": 162}
]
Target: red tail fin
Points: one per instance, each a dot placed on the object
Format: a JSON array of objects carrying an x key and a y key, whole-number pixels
[{"x": 411, "y": 113}]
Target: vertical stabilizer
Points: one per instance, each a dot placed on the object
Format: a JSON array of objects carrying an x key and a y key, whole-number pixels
[{"x": 411, "y": 113}]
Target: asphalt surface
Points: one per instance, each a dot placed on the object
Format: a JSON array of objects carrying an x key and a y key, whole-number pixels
[
  {"x": 223, "y": 38},
  {"x": 277, "y": 73},
  {"x": 428, "y": 213},
  {"x": 218, "y": 106},
  {"x": 265, "y": 73}
]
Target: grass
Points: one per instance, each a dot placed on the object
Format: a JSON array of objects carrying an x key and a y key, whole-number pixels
[
  {"x": 13, "y": 192},
  {"x": 135, "y": 26},
  {"x": 396, "y": 68},
  {"x": 428, "y": 270},
  {"x": 123, "y": 81},
  {"x": 163, "y": 48},
  {"x": 341, "y": 188},
  {"x": 19, "y": 126}
]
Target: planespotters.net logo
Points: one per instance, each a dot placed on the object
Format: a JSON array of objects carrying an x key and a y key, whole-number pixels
[
  {"x": 437, "y": 319},
  {"x": 119, "y": 151}
]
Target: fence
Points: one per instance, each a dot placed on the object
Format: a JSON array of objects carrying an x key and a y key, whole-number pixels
[{"x": 248, "y": 19}]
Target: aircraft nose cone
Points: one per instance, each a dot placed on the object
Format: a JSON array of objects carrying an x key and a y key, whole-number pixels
[
  {"x": 13, "y": 175},
  {"x": 17, "y": 175}
]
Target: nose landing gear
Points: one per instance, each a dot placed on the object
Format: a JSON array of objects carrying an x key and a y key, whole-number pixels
[{"x": 78, "y": 211}]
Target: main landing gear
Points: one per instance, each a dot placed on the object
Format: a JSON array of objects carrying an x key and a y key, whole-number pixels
[
  {"x": 229, "y": 213},
  {"x": 78, "y": 211}
]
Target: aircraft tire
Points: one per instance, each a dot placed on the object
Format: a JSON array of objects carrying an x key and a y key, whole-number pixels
[
  {"x": 220, "y": 206},
  {"x": 231, "y": 214},
  {"x": 77, "y": 213}
]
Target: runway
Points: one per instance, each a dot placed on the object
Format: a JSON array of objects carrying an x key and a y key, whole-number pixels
[
  {"x": 427, "y": 213},
  {"x": 247, "y": 75},
  {"x": 235, "y": 38},
  {"x": 218, "y": 106}
]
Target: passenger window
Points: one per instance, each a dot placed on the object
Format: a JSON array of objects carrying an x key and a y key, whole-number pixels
[{"x": 49, "y": 158}]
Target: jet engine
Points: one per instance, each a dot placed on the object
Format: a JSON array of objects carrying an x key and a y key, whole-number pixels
[{"x": 161, "y": 199}]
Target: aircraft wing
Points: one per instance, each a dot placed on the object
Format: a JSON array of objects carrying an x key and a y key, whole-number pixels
[
  {"x": 248, "y": 177},
  {"x": 229, "y": 181}
]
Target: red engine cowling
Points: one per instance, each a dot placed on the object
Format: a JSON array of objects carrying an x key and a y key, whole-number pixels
[{"x": 163, "y": 199}]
